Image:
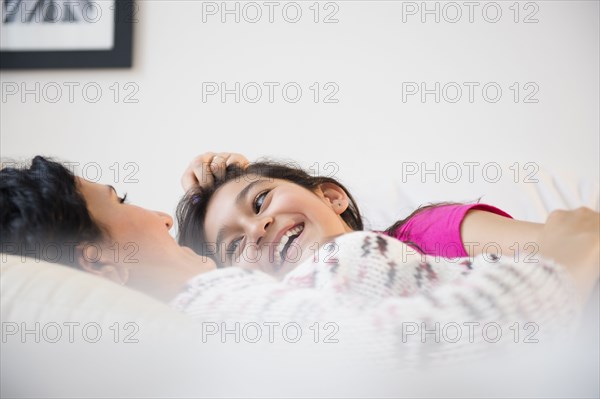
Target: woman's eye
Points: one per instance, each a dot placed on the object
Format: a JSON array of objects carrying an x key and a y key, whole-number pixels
[
  {"x": 259, "y": 200},
  {"x": 122, "y": 200}
]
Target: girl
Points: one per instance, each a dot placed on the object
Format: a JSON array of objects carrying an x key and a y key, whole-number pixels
[{"x": 266, "y": 213}]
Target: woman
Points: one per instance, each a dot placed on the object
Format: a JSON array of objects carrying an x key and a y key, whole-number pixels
[{"x": 49, "y": 214}]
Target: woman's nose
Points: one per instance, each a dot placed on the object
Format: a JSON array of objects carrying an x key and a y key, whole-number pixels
[{"x": 167, "y": 219}]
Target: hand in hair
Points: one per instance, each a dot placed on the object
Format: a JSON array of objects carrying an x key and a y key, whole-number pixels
[{"x": 205, "y": 168}]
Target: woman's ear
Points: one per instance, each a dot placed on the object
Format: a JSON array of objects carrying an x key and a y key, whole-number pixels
[
  {"x": 94, "y": 259},
  {"x": 334, "y": 196}
]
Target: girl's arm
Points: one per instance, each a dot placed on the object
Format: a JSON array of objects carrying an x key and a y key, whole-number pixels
[{"x": 489, "y": 233}]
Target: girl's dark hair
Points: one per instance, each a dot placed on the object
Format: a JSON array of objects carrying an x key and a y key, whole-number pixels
[
  {"x": 191, "y": 210},
  {"x": 42, "y": 213}
]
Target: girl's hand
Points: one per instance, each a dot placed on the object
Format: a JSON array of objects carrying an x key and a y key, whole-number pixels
[{"x": 203, "y": 169}]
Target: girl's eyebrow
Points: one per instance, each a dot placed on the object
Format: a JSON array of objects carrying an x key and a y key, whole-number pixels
[
  {"x": 239, "y": 201},
  {"x": 241, "y": 197}
]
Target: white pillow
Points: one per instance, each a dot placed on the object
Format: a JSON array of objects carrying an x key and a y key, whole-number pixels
[
  {"x": 162, "y": 354},
  {"x": 37, "y": 291},
  {"x": 67, "y": 333}
]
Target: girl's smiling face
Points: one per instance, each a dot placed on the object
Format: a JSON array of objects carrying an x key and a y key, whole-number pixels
[{"x": 272, "y": 224}]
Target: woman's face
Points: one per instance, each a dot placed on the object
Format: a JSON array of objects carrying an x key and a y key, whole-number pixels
[
  {"x": 272, "y": 224},
  {"x": 139, "y": 250}
]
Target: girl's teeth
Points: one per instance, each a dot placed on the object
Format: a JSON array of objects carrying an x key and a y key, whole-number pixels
[{"x": 286, "y": 236}]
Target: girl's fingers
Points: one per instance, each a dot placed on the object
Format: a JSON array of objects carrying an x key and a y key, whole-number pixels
[
  {"x": 198, "y": 172},
  {"x": 219, "y": 164},
  {"x": 222, "y": 160},
  {"x": 202, "y": 170},
  {"x": 205, "y": 168},
  {"x": 188, "y": 180},
  {"x": 237, "y": 159}
]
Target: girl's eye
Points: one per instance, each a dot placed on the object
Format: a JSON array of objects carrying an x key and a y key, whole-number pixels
[
  {"x": 257, "y": 205},
  {"x": 233, "y": 247},
  {"x": 122, "y": 200},
  {"x": 259, "y": 200}
]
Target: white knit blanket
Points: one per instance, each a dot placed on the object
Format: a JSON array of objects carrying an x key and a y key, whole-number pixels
[{"x": 390, "y": 305}]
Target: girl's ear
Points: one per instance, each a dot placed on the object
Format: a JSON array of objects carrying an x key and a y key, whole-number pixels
[
  {"x": 95, "y": 259},
  {"x": 334, "y": 196}
]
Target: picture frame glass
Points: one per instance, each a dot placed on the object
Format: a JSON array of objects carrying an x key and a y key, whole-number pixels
[
  {"x": 66, "y": 33},
  {"x": 44, "y": 25}
]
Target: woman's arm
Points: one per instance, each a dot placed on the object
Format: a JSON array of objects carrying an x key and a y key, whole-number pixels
[
  {"x": 572, "y": 238},
  {"x": 492, "y": 234}
]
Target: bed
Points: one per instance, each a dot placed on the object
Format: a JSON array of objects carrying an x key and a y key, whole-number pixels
[{"x": 69, "y": 334}]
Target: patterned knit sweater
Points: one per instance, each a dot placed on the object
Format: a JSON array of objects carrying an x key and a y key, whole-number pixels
[{"x": 383, "y": 299}]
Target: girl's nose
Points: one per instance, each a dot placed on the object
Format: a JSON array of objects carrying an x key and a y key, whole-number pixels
[{"x": 259, "y": 228}]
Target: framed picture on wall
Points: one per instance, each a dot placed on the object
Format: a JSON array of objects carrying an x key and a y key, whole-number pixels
[{"x": 66, "y": 34}]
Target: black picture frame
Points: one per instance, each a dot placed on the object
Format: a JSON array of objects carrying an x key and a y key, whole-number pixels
[{"x": 120, "y": 56}]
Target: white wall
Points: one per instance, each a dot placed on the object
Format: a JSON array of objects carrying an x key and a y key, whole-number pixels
[{"x": 368, "y": 54}]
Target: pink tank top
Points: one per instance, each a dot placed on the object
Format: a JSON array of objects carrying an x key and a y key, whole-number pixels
[{"x": 436, "y": 231}]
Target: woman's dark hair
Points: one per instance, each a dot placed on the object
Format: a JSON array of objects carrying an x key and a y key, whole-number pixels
[
  {"x": 42, "y": 213},
  {"x": 191, "y": 210}
]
